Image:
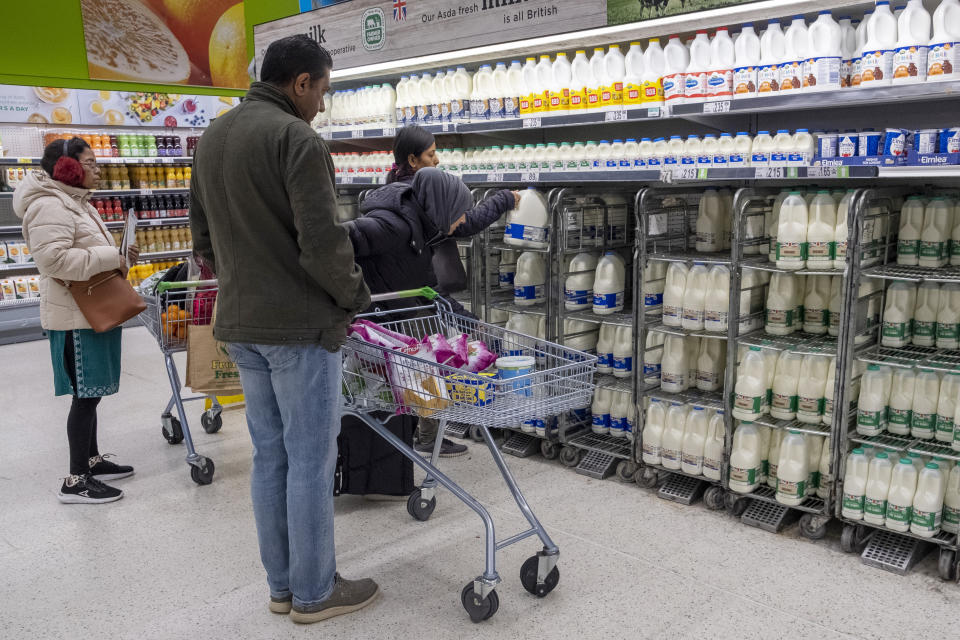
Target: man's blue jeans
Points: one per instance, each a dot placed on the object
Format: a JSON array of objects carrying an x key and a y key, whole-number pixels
[{"x": 293, "y": 403}]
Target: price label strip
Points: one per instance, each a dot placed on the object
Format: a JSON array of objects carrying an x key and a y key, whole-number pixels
[
  {"x": 615, "y": 116},
  {"x": 495, "y": 176},
  {"x": 723, "y": 106},
  {"x": 530, "y": 176},
  {"x": 532, "y": 123}
]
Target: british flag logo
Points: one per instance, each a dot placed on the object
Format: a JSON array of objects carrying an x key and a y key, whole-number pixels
[{"x": 399, "y": 10}]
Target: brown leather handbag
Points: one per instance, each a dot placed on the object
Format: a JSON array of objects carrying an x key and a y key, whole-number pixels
[{"x": 106, "y": 300}]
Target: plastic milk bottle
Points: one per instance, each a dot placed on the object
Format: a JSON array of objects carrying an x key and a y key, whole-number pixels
[
  {"x": 653, "y": 431},
  {"x": 745, "y": 74},
  {"x": 745, "y": 458},
  {"x": 792, "y": 469},
  {"x": 878, "y": 490},
  {"x": 751, "y": 386},
  {"x": 855, "y": 484}
]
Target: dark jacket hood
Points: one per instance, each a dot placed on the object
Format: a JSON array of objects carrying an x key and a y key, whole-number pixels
[{"x": 397, "y": 198}]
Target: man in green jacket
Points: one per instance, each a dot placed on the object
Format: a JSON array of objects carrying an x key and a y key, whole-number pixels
[{"x": 263, "y": 215}]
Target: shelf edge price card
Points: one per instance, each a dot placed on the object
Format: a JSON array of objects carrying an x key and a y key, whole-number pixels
[
  {"x": 768, "y": 173},
  {"x": 495, "y": 176},
  {"x": 615, "y": 116},
  {"x": 828, "y": 172},
  {"x": 722, "y": 106},
  {"x": 532, "y": 123},
  {"x": 346, "y": 180},
  {"x": 530, "y": 176}
]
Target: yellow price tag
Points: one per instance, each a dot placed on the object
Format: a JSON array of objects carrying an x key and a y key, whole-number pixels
[{"x": 24, "y": 160}]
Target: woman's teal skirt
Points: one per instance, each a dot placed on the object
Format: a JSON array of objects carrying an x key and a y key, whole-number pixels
[{"x": 97, "y": 358}]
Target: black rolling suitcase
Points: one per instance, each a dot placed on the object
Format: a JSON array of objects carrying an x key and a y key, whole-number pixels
[{"x": 367, "y": 464}]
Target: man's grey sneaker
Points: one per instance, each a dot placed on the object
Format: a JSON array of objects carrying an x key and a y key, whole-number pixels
[
  {"x": 348, "y": 596},
  {"x": 448, "y": 449},
  {"x": 103, "y": 469},
  {"x": 281, "y": 605},
  {"x": 86, "y": 489}
]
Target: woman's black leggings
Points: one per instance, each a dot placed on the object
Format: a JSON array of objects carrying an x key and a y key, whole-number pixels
[{"x": 82, "y": 421}]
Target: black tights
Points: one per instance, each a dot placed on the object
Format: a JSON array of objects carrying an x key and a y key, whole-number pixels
[{"x": 82, "y": 421}]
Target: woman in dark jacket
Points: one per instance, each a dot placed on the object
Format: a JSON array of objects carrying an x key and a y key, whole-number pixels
[{"x": 400, "y": 227}]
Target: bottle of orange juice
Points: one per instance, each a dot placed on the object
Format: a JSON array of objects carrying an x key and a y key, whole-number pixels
[
  {"x": 171, "y": 178},
  {"x": 187, "y": 171},
  {"x": 181, "y": 181}
]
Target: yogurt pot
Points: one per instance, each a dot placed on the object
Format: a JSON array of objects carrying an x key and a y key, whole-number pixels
[
  {"x": 950, "y": 140},
  {"x": 895, "y": 142},
  {"x": 847, "y": 144},
  {"x": 869, "y": 143},
  {"x": 826, "y": 144},
  {"x": 510, "y": 367},
  {"x": 926, "y": 141}
]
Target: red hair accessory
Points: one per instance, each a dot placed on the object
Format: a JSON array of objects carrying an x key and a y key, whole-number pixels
[{"x": 68, "y": 171}]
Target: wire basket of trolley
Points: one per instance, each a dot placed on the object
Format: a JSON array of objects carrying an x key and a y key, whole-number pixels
[
  {"x": 436, "y": 364},
  {"x": 172, "y": 309}
]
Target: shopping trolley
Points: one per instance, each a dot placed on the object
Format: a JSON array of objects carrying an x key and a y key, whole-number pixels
[
  {"x": 378, "y": 380},
  {"x": 170, "y": 312}
]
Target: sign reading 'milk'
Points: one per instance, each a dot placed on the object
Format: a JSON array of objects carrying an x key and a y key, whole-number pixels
[{"x": 365, "y": 32}]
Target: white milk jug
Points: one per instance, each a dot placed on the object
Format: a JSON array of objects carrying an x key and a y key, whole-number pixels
[
  {"x": 829, "y": 391},
  {"x": 855, "y": 484},
  {"x": 723, "y": 60},
  {"x": 623, "y": 353},
  {"x": 654, "y": 61},
  {"x": 942, "y": 58},
  {"x": 761, "y": 149},
  {"x": 654, "y": 283},
  {"x": 611, "y": 98},
  {"x": 711, "y": 362},
  {"x": 795, "y": 53},
  {"x": 674, "y": 287},
  {"x": 948, "y": 317},
  {"x": 694, "y": 298},
  {"x": 745, "y": 458},
  {"x": 947, "y": 406},
  {"x": 609, "y": 284},
  {"x": 676, "y": 60},
  {"x": 821, "y": 231},
  {"x": 792, "y": 233},
  {"x": 910, "y": 55},
  {"x": 530, "y": 84},
  {"x": 516, "y": 88},
  {"x": 529, "y": 281},
  {"x": 925, "y": 314},
  {"x": 928, "y": 502},
  {"x": 900, "y": 411},
  {"x": 747, "y": 52},
  {"x": 898, "y": 315},
  {"x": 903, "y": 486},
  {"x": 692, "y": 344},
  {"x": 618, "y": 414},
  {"x": 717, "y": 303},
  {"x": 672, "y": 444},
  {"x": 911, "y": 226},
  {"x": 751, "y": 386},
  {"x": 783, "y": 405},
  {"x": 697, "y": 72},
  {"x": 602, "y": 401},
  {"x": 773, "y": 457},
  {"x": 713, "y": 449},
  {"x": 878, "y": 490},
  {"x": 816, "y": 305},
  {"x": 813, "y": 377},
  {"x": 578, "y": 289},
  {"x": 878, "y": 51},
  {"x": 633, "y": 80},
  {"x": 772, "y": 222},
  {"x": 674, "y": 368},
  {"x": 842, "y": 231},
  {"x": 709, "y": 224},
  {"x": 773, "y": 44},
  {"x": 653, "y": 426},
  {"x": 605, "y": 344},
  {"x": 581, "y": 78},
  {"x": 529, "y": 224},
  {"x": 848, "y": 49},
  {"x": 937, "y": 229},
  {"x": 694, "y": 441},
  {"x": 560, "y": 82},
  {"x": 782, "y": 295},
  {"x": 926, "y": 396},
  {"x": 792, "y": 469},
  {"x": 821, "y": 71},
  {"x": 825, "y": 479},
  {"x": 653, "y": 356},
  {"x": 872, "y": 403},
  {"x": 951, "y": 500}
]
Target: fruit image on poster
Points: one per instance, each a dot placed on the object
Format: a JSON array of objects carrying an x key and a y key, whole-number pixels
[
  {"x": 191, "y": 42},
  {"x": 38, "y": 105},
  {"x": 621, "y": 11}
]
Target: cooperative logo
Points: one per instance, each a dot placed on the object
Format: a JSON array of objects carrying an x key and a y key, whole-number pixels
[{"x": 374, "y": 29}]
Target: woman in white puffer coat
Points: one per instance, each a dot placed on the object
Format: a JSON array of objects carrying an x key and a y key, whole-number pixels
[{"x": 69, "y": 242}]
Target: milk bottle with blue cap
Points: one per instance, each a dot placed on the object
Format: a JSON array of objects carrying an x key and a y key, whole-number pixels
[
  {"x": 654, "y": 282},
  {"x": 605, "y": 344},
  {"x": 578, "y": 289},
  {"x": 602, "y": 399},
  {"x": 821, "y": 71},
  {"x": 674, "y": 366},
  {"x": 878, "y": 51},
  {"x": 943, "y": 62},
  {"x": 529, "y": 224},
  {"x": 745, "y": 459},
  {"x": 652, "y": 356},
  {"x": 515, "y": 88},
  {"x": 848, "y": 39},
  {"x": 618, "y": 414},
  {"x": 674, "y": 288},
  {"x": 910, "y": 55},
  {"x": 772, "y": 47},
  {"x": 672, "y": 444},
  {"x": 747, "y": 66},
  {"x": 795, "y": 52},
  {"x": 861, "y": 35},
  {"x": 426, "y": 95},
  {"x": 694, "y": 441},
  {"x": 653, "y": 426},
  {"x": 713, "y": 447},
  {"x": 528, "y": 284},
  {"x": 609, "y": 284},
  {"x": 623, "y": 352},
  {"x": 694, "y": 298}
]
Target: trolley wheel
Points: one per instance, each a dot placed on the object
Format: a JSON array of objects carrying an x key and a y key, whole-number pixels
[
  {"x": 626, "y": 470},
  {"x": 528, "y": 577},
  {"x": 202, "y": 474},
  {"x": 810, "y": 529},
  {"x": 211, "y": 420},
  {"x": 715, "y": 498},
  {"x": 570, "y": 456},
  {"x": 172, "y": 429},
  {"x": 549, "y": 450},
  {"x": 475, "y": 433},
  {"x": 420, "y": 509},
  {"x": 947, "y": 567},
  {"x": 736, "y": 504},
  {"x": 647, "y": 478},
  {"x": 478, "y": 609}
]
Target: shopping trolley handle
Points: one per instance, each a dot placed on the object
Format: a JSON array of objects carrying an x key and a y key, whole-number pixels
[
  {"x": 423, "y": 292},
  {"x": 163, "y": 287}
]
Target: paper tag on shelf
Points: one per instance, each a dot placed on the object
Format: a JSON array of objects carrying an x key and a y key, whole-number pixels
[
  {"x": 653, "y": 112},
  {"x": 495, "y": 176},
  {"x": 768, "y": 173},
  {"x": 828, "y": 172},
  {"x": 532, "y": 123},
  {"x": 723, "y": 106},
  {"x": 659, "y": 224},
  {"x": 146, "y": 192},
  {"x": 689, "y": 173},
  {"x": 530, "y": 176},
  {"x": 615, "y": 116},
  {"x": 346, "y": 180},
  {"x": 24, "y": 160},
  {"x": 389, "y": 131},
  {"x": 150, "y": 160},
  {"x": 156, "y": 222}
]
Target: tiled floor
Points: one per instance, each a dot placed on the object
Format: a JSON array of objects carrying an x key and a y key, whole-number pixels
[{"x": 174, "y": 560}]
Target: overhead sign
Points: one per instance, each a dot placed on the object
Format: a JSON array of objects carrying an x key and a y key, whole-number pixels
[{"x": 365, "y": 32}]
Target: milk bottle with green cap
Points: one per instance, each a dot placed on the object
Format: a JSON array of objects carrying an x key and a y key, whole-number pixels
[
  {"x": 928, "y": 502},
  {"x": 751, "y": 386},
  {"x": 947, "y": 406},
  {"x": 781, "y": 305},
  {"x": 911, "y": 226},
  {"x": 814, "y": 449},
  {"x": 901, "y": 401},
  {"x": 951, "y": 501},
  {"x": 937, "y": 227},
  {"x": 925, "y": 314},
  {"x": 825, "y": 479},
  {"x": 792, "y": 233},
  {"x": 855, "y": 484},
  {"x": 903, "y": 486},
  {"x": 773, "y": 456},
  {"x": 713, "y": 449},
  {"x": 792, "y": 469},
  {"x": 948, "y": 317},
  {"x": 821, "y": 230},
  {"x": 816, "y": 305},
  {"x": 878, "y": 489},
  {"x": 828, "y": 392},
  {"x": 896, "y": 330},
  {"x": 745, "y": 456},
  {"x": 871, "y": 405},
  {"x": 787, "y": 377},
  {"x": 925, "y": 398}
]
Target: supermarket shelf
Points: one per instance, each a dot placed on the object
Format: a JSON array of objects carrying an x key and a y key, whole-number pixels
[
  {"x": 560, "y": 177},
  {"x": 621, "y": 319},
  {"x": 933, "y": 448},
  {"x": 922, "y": 172},
  {"x": 20, "y": 321},
  {"x": 138, "y": 192},
  {"x": 944, "y": 538},
  {"x": 794, "y": 425},
  {"x": 822, "y": 100},
  {"x": 18, "y": 266},
  {"x": 693, "y": 397},
  {"x": 547, "y": 121},
  {"x": 680, "y": 331},
  {"x": 625, "y": 385},
  {"x": 19, "y": 304},
  {"x": 511, "y": 307},
  {"x": 888, "y": 441},
  {"x": 160, "y": 255},
  {"x": 503, "y": 246},
  {"x": 813, "y": 504},
  {"x": 111, "y": 160},
  {"x": 914, "y": 274},
  {"x": 151, "y": 222},
  {"x": 912, "y": 356},
  {"x": 602, "y": 443},
  {"x": 344, "y": 181},
  {"x": 762, "y": 265},
  {"x": 799, "y": 342},
  {"x": 719, "y": 257}
]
